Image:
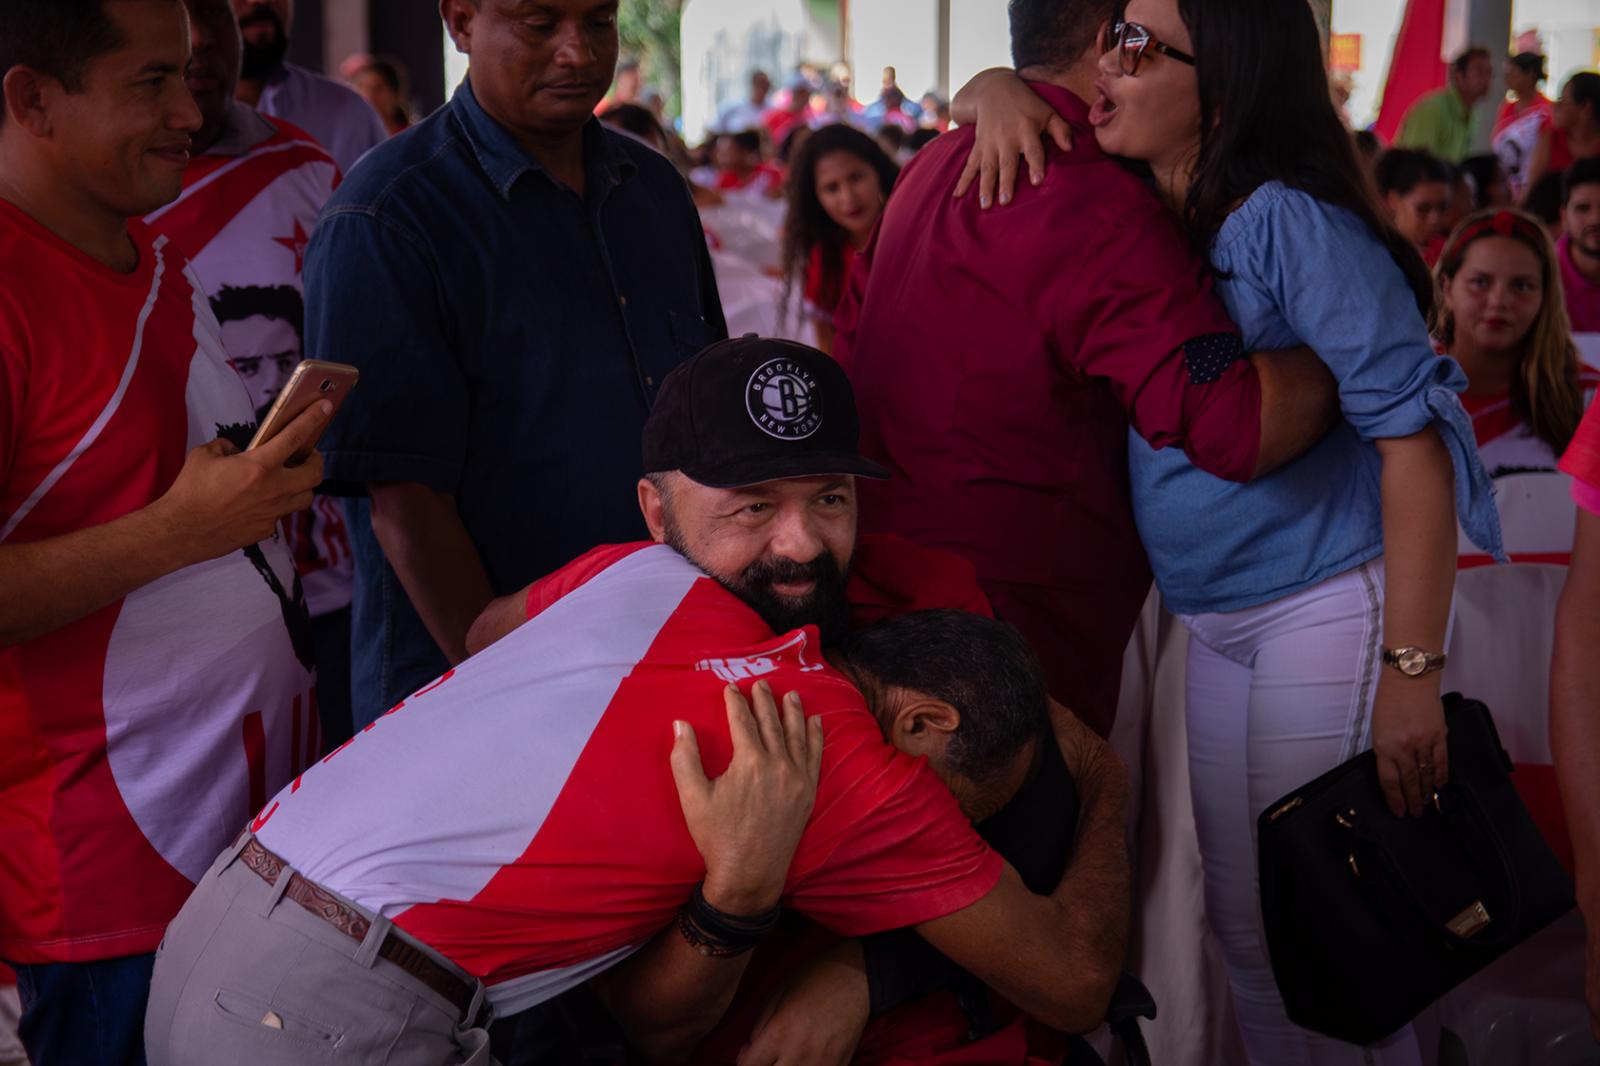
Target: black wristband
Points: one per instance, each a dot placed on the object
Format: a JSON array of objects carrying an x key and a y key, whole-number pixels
[{"x": 718, "y": 933}]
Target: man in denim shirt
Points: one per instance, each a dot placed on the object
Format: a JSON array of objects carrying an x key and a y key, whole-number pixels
[{"x": 514, "y": 281}]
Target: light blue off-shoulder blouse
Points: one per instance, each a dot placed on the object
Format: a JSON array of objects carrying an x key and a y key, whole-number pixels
[{"x": 1296, "y": 271}]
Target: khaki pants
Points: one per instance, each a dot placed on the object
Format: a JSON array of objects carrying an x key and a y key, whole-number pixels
[{"x": 245, "y": 976}]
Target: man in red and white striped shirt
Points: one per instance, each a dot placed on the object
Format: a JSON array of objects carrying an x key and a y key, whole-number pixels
[{"x": 151, "y": 655}]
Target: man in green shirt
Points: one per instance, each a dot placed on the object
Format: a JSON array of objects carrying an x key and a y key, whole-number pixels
[{"x": 1441, "y": 121}]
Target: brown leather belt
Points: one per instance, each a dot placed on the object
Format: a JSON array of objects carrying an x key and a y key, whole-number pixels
[{"x": 352, "y": 923}]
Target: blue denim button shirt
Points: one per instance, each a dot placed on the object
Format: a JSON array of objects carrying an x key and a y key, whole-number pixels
[
  {"x": 511, "y": 336},
  {"x": 1295, "y": 271}
]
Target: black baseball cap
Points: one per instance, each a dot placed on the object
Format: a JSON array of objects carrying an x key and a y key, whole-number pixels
[{"x": 756, "y": 409}]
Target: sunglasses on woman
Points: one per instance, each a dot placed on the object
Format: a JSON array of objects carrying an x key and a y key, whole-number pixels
[{"x": 1132, "y": 40}]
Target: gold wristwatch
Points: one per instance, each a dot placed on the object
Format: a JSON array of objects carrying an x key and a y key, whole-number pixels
[{"x": 1413, "y": 662}]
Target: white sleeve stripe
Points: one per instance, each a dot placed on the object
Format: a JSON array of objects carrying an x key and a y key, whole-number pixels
[{"x": 99, "y": 424}]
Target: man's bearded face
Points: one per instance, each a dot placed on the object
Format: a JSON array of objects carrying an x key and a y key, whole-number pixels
[
  {"x": 266, "y": 40},
  {"x": 783, "y": 547}
]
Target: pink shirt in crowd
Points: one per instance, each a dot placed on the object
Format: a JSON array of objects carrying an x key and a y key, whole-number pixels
[{"x": 1583, "y": 295}]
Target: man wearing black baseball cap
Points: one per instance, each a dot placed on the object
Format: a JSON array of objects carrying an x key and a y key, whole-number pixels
[{"x": 750, "y": 459}]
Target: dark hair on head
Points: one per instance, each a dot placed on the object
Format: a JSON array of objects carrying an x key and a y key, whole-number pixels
[
  {"x": 1530, "y": 63},
  {"x": 921, "y": 138},
  {"x": 747, "y": 141},
  {"x": 1054, "y": 34},
  {"x": 388, "y": 71},
  {"x": 1266, "y": 115},
  {"x": 1585, "y": 171},
  {"x": 796, "y": 136},
  {"x": 1585, "y": 89},
  {"x": 1543, "y": 198},
  {"x": 58, "y": 38},
  {"x": 1399, "y": 170},
  {"x": 981, "y": 667},
  {"x": 807, "y": 226},
  {"x": 393, "y": 74},
  {"x": 1464, "y": 60},
  {"x": 892, "y": 137},
  {"x": 235, "y": 303},
  {"x": 1482, "y": 171},
  {"x": 635, "y": 119},
  {"x": 1368, "y": 146}
]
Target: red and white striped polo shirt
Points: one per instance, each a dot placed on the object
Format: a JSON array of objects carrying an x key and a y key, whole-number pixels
[
  {"x": 134, "y": 742},
  {"x": 519, "y": 814}
]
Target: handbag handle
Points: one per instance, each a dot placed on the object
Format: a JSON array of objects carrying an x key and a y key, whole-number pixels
[{"x": 1461, "y": 800}]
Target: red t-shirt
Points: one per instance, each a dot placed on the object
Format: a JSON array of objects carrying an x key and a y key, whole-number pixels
[
  {"x": 1561, "y": 156},
  {"x": 134, "y": 742},
  {"x": 779, "y": 121},
  {"x": 998, "y": 358},
  {"x": 1582, "y": 457},
  {"x": 519, "y": 814},
  {"x": 765, "y": 178},
  {"x": 826, "y": 287}
]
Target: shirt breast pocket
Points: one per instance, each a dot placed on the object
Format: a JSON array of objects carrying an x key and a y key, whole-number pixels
[{"x": 690, "y": 334}]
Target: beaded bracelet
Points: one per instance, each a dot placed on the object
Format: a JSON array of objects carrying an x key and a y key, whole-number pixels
[{"x": 718, "y": 934}]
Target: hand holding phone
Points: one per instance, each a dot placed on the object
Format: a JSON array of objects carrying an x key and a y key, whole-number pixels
[
  {"x": 224, "y": 500},
  {"x": 311, "y": 381}
]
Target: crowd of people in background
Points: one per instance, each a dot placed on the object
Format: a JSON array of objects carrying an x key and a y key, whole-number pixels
[{"x": 1269, "y": 363}]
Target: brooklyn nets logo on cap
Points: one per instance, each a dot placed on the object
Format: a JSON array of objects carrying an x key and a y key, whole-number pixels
[{"x": 784, "y": 399}]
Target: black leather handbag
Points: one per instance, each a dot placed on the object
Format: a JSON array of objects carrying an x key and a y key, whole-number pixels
[{"x": 1370, "y": 918}]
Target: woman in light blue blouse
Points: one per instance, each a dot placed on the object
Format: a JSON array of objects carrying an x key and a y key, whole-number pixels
[{"x": 1297, "y": 588}]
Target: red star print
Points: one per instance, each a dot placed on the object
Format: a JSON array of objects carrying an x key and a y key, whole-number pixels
[{"x": 297, "y": 245}]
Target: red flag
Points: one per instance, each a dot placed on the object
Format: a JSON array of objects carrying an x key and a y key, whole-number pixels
[{"x": 1417, "y": 66}]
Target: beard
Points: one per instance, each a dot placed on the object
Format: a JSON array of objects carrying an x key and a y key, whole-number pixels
[
  {"x": 825, "y": 607},
  {"x": 262, "y": 60}
]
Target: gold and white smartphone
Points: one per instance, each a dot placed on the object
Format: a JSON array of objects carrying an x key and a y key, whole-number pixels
[{"x": 311, "y": 381}]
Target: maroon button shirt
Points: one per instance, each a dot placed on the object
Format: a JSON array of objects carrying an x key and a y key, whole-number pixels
[{"x": 998, "y": 359}]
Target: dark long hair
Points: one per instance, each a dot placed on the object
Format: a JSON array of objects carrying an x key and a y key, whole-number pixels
[
  {"x": 1266, "y": 115},
  {"x": 807, "y": 225}
]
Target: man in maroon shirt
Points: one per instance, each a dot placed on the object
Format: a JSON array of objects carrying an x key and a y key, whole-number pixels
[{"x": 999, "y": 357}]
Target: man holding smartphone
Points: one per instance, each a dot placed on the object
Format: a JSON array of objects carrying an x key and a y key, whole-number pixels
[{"x": 148, "y": 678}]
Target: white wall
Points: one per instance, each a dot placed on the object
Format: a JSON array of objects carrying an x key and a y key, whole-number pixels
[
  {"x": 980, "y": 37},
  {"x": 903, "y": 34},
  {"x": 1567, "y": 28},
  {"x": 455, "y": 64},
  {"x": 723, "y": 41},
  {"x": 1377, "y": 21}
]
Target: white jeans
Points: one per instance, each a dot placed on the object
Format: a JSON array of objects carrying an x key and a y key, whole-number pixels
[{"x": 1276, "y": 695}]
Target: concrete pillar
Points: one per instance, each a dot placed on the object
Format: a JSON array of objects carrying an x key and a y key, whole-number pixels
[
  {"x": 1488, "y": 24},
  {"x": 344, "y": 31}
]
